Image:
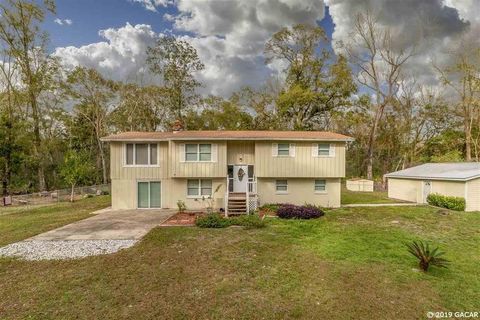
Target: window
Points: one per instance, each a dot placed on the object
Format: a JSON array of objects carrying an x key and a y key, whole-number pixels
[
  {"x": 197, "y": 188},
  {"x": 324, "y": 149},
  {"x": 283, "y": 149},
  {"x": 141, "y": 154},
  {"x": 320, "y": 185},
  {"x": 281, "y": 185},
  {"x": 198, "y": 152}
]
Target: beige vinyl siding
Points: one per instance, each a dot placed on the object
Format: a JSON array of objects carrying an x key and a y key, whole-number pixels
[
  {"x": 215, "y": 168},
  {"x": 300, "y": 191},
  {"x": 449, "y": 188},
  {"x": 303, "y": 164},
  {"x": 241, "y": 152},
  {"x": 405, "y": 189},
  {"x": 118, "y": 170},
  {"x": 473, "y": 195}
]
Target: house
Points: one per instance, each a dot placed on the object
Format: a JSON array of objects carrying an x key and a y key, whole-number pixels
[
  {"x": 238, "y": 170},
  {"x": 449, "y": 179}
]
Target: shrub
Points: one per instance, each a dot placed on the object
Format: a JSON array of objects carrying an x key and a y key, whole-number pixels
[
  {"x": 212, "y": 220},
  {"x": 452, "y": 203},
  {"x": 249, "y": 221},
  {"x": 290, "y": 211},
  {"x": 181, "y": 206},
  {"x": 273, "y": 207},
  {"x": 425, "y": 256},
  {"x": 215, "y": 220}
]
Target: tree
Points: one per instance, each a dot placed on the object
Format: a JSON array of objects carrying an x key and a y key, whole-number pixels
[
  {"x": 94, "y": 94},
  {"x": 22, "y": 39},
  {"x": 76, "y": 169},
  {"x": 313, "y": 86},
  {"x": 219, "y": 114},
  {"x": 463, "y": 77},
  {"x": 142, "y": 109},
  {"x": 176, "y": 62},
  {"x": 373, "y": 52}
]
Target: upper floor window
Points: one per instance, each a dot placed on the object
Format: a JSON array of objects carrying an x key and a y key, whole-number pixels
[
  {"x": 283, "y": 150},
  {"x": 323, "y": 150},
  {"x": 138, "y": 154},
  {"x": 198, "y": 152}
]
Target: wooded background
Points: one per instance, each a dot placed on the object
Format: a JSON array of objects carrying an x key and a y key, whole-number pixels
[{"x": 52, "y": 118}]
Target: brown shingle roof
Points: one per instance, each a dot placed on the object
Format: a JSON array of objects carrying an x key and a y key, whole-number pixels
[{"x": 228, "y": 135}]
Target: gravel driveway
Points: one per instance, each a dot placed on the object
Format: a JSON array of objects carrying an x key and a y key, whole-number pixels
[{"x": 106, "y": 232}]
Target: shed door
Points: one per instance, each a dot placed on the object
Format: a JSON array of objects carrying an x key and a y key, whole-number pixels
[{"x": 427, "y": 189}]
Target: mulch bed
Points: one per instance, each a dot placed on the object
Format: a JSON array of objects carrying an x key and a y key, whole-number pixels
[{"x": 182, "y": 219}]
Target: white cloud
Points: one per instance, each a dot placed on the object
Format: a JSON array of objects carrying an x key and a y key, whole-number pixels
[
  {"x": 152, "y": 5},
  {"x": 63, "y": 22},
  {"x": 120, "y": 57},
  {"x": 229, "y": 36}
]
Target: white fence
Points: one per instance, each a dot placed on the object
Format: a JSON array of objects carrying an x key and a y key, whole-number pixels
[{"x": 60, "y": 195}]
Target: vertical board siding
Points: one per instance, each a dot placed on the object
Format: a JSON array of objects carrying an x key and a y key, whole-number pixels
[
  {"x": 473, "y": 195},
  {"x": 302, "y": 165},
  {"x": 119, "y": 171},
  {"x": 241, "y": 152},
  {"x": 180, "y": 169}
]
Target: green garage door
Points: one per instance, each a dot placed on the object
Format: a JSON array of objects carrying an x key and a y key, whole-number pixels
[{"x": 149, "y": 194}]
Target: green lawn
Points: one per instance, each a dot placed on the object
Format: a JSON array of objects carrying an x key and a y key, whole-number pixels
[
  {"x": 18, "y": 223},
  {"x": 351, "y": 197},
  {"x": 350, "y": 264}
]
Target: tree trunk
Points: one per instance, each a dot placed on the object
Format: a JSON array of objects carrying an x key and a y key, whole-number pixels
[
  {"x": 72, "y": 193},
  {"x": 468, "y": 138}
]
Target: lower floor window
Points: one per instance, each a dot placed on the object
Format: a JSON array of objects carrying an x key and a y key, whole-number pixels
[
  {"x": 281, "y": 185},
  {"x": 199, "y": 187},
  {"x": 320, "y": 185}
]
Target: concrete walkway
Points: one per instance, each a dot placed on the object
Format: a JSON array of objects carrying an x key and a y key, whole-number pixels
[
  {"x": 109, "y": 225},
  {"x": 396, "y": 204}
]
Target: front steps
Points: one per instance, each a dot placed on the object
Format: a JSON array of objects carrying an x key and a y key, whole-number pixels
[{"x": 237, "y": 203}]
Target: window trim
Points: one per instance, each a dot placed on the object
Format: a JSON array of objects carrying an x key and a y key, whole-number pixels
[
  {"x": 281, "y": 191},
  {"x": 199, "y": 189},
  {"x": 134, "y": 165},
  {"x": 315, "y": 186},
  {"x": 198, "y": 152}
]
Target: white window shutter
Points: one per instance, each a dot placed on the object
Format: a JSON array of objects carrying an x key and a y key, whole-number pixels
[
  {"x": 315, "y": 150},
  {"x": 214, "y": 152},
  {"x": 182, "y": 152},
  {"x": 332, "y": 150},
  {"x": 292, "y": 150},
  {"x": 274, "y": 149}
]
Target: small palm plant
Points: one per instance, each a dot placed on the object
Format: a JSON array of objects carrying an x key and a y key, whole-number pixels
[{"x": 427, "y": 257}]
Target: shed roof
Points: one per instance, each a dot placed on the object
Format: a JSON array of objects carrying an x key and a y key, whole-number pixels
[
  {"x": 461, "y": 171},
  {"x": 228, "y": 135}
]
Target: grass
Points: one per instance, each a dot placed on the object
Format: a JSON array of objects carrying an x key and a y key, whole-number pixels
[
  {"x": 18, "y": 223},
  {"x": 351, "y": 197},
  {"x": 349, "y": 264}
]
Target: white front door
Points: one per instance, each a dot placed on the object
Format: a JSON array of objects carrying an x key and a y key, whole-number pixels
[
  {"x": 427, "y": 189},
  {"x": 240, "y": 178}
]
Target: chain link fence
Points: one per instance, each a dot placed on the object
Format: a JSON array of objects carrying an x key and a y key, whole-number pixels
[{"x": 60, "y": 195}]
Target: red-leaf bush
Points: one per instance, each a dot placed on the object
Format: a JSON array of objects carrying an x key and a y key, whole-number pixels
[{"x": 290, "y": 211}]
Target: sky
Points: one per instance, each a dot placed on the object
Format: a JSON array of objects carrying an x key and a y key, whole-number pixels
[{"x": 112, "y": 35}]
